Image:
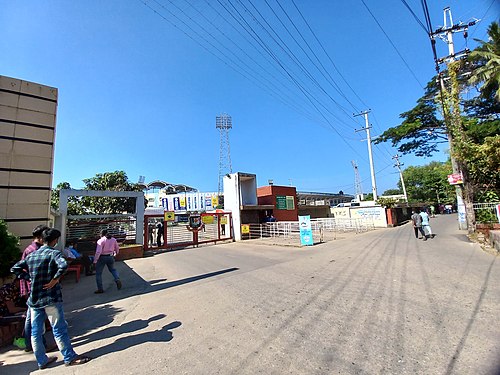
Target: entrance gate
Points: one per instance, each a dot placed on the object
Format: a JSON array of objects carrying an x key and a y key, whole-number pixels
[{"x": 217, "y": 226}]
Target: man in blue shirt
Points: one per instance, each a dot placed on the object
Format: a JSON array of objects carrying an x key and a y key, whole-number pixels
[
  {"x": 44, "y": 269},
  {"x": 425, "y": 223}
]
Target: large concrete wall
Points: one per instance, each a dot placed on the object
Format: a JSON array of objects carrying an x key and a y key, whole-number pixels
[{"x": 27, "y": 133}]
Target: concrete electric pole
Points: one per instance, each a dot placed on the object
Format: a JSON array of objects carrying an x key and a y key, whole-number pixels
[
  {"x": 398, "y": 166},
  {"x": 451, "y": 111},
  {"x": 370, "y": 156}
]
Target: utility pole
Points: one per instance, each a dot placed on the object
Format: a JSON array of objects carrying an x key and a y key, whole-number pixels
[
  {"x": 398, "y": 166},
  {"x": 452, "y": 113},
  {"x": 370, "y": 156}
]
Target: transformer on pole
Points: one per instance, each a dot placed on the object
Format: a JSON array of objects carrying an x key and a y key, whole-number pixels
[{"x": 223, "y": 122}]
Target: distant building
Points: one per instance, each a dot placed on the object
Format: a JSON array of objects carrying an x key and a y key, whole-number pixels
[
  {"x": 178, "y": 197},
  {"x": 27, "y": 133}
]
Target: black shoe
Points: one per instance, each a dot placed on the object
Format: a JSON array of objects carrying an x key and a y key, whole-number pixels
[
  {"x": 118, "y": 284},
  {"x": 99, "y": 291},
  {"x": 49, "y": 361}
]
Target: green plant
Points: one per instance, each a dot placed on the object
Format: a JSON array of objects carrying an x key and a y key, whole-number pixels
[
  {"x": 387, "y": 202},
  {"x": 9, "y": 249}
]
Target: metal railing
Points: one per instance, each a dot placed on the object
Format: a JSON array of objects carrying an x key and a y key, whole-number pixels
[
  {"x": 324, "y": 229},
  {"x": 486, "y": 212}
]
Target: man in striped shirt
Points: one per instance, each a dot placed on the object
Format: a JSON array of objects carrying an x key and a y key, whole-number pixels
[
  {"x": 106, "y": 250},
  {"x": 44, "y": 268},
  {"x": 24, "y": 285}
]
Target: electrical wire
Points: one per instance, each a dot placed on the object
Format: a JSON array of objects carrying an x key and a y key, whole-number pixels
[{"x": 393, "y": 45}]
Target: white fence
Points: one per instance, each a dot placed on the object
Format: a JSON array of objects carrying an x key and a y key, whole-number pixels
[
  {"x": 486, "y": 212},
  {"x": 325, "y": 229}
]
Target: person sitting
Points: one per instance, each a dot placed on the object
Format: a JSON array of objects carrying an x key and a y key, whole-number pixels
[{"x": 78, "y": 258}]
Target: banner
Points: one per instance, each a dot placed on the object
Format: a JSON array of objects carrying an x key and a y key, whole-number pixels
[{"x": 306, "y": 235}]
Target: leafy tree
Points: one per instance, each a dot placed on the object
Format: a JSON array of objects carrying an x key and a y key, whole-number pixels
[
  {"x": 429, "y": 183},
  {"x": 487, "y": 58},
  {"x": 9, "y": 249},
  {"x": 75, "y": 206},
  {"x": 398, "y": 191},
  {"x": 112, "y": 181},
  {"x": 387, "y": 202}
]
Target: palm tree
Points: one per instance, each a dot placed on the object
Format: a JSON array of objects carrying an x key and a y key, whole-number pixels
[{"x": 487, "y": 58}]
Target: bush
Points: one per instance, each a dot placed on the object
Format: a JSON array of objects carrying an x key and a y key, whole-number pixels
[{"x": 9, "y": 250}]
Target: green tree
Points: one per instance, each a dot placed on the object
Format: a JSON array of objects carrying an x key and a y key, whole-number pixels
[
  {"x": 113, "y": 181},
  {"x": 429, "y": 183},
  {"x": 75, "y": 206},
  {"x": 9, "y": 249},
  {"x": 398, "y": 191},
  {"x": 487, "y": 60}
]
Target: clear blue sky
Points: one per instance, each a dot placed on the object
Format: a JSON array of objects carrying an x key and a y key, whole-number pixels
[{"x": 138, "y": 94}]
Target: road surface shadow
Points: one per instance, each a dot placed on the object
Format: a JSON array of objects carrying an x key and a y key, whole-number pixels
[{"x": 163, "y": 334}]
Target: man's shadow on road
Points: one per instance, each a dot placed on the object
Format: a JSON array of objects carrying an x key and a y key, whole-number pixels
[
  {"x": 161, "y": 335},
  {"x": 129, "y": 327}
]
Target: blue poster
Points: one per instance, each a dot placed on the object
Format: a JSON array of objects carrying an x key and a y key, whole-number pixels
[
  {"x": 306, "y": 235},
  {"x": 177, "y": 204}
]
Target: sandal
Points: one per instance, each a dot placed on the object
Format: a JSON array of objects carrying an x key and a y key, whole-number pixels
[{"x": 78, "y": 360}]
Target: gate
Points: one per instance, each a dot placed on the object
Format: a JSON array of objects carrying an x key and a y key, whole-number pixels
[{"x": 161, "y": 234}]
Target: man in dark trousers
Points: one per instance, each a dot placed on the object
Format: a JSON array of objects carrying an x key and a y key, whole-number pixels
[
  {"x": 417, "y": 224},
  {"x": 44, "y": 269}
]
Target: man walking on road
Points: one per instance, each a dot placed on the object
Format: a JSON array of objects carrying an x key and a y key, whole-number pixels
[
  {"x": 106, "y": 250},
  {"x": 425, "y": 223},
  {"x": 417, "y": 224},
  {"x": 44, "y": 268}
]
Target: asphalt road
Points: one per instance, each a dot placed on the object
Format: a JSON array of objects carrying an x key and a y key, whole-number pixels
[{"x": 380, "y": 302}]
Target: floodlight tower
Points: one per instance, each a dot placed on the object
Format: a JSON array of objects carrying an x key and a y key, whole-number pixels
[
  {"x": 357, "y": 181},
  {"x": 224, "y": 123}
]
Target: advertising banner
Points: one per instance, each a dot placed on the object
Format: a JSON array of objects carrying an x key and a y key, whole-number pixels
[
  {"x": 177, "y": 204},
  {"x": 455, "y": 179},
  {"x": 306, "y": 235}
]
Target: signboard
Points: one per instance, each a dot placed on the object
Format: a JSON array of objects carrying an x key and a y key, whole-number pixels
[
  {"x": 183, "y": 202},
  {"x": 455, "y": 179},
  {"x": 290, "y": 202},
  {"x": 169, "y": 216},
  {"x": 245, "y": 229},
  {"x": 215, "y": 201},
  {"x": 207, "y": 219},
  {"x": 280, "y": 202},
  {"x": 223, "y": 219},
  {"x": 306, "y": 235}
]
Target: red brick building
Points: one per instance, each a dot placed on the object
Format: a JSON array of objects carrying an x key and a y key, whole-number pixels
[{"x": 283, "y": 199}]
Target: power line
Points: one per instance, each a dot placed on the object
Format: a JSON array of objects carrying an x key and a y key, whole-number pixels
[
  {"x": 393, "y": 45},
  {"x": 326, "y": 53}
]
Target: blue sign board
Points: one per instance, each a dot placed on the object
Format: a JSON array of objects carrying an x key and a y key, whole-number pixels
[{"x": 306, "y": 235}]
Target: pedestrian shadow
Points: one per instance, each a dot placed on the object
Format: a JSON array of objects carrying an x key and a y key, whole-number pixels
[
  {"x": 108, "y": 332},
  {"x": 95, "y": 317},
  {"x": 163, "y": 334}
]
